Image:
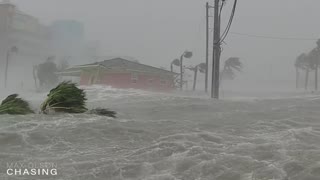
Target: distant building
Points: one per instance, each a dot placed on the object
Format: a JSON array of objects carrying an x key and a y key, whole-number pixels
[
  {"x": 23, "y": 31},
  {"x": 64, "y": 39},
  {"x": 122, "y": 73},
  {"x": 67, "y": 36},
  {"x": 27, "y": 34},
  {"x": 68, "y": 40}
]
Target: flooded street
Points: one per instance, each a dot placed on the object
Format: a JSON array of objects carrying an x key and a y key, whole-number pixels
[
  {"x": 68, "y": 66},
  {"x": 168, "y": 137}
]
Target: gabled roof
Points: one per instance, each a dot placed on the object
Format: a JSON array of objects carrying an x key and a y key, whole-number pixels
[
  {"x": 76, "y": 71},
  {"x": 131, "y": 65}
]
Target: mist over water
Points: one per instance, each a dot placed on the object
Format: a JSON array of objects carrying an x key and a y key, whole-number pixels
[{"x": 170, "y": 137}]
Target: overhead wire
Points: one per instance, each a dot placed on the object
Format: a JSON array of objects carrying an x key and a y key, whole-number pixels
[
  {"x": 228, "y": 27},
  {"x": 274, "y": 37},
  {"x": 221, "y": 7},
  {"x": 226, "y": 31}
]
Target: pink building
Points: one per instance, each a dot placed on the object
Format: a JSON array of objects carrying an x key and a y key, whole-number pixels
[{"x": 121, "y": 73}]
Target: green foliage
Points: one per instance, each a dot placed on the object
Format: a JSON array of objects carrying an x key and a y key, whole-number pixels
[
  {"x": 233, "y": 63},
  {"x": 202, "y": 67},
  {"x": 301, "y": 61},
  {"x": 313, "y": 58},
  {"x": 103, "y": 112},
  {"x": 228, "y": 74},
  {"x": 176, "y": 62},
  {"x": 46, "y": 73},
  {"x": 66, "y": 97},
  {"x": 318, "y": 43},
  {"x": 188, "y": 54},
  {"x": 307, "y": 61},
  {"x": 14, "y": 49},
  {"x": 230, "y": 65},
  {"x": 15, "y": 106}
]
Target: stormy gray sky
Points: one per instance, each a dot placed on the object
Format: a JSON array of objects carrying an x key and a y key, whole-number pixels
[{"x": 157, "y": 31}]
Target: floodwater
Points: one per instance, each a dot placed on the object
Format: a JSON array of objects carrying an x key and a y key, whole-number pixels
[{"x": 169, "y": 137}]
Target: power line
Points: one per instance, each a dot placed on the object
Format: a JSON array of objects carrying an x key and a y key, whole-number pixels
[
  {"x": 222, "y": 4},
  {"x": 226, "y": 31},
  {"x": 274, "y": 37}
]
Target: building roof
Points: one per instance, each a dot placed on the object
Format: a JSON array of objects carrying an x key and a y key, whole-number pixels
[
  {"x": 130, "y": 65},
  {"x": 76, "y": 71}
]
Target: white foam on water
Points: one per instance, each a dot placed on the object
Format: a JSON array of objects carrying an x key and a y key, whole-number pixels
[{"x": 162, "y": 136}]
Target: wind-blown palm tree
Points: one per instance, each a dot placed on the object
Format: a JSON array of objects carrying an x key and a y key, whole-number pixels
[
  {"x": 316, "y": 58},
  {"x": 188, "y": 55},
  {"x": 314, "y": 63},
  {"x": 34, "y": 73},
  {"x": 308, "y": 66},
  {"x": 175, "y": 62},
  {"x": 195, "y": 70},
  {"x": 46, "y": 73},
  {"x": 317, "y": 63},
  {"x": 299, "y": 64},
  {"x": 308, "y": 62},
  {"x": 202, "y": 68},
  {"x": 230, "y": 66}
]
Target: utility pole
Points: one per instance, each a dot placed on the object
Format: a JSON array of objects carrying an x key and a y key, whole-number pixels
[
  {"x": 316, "y": 75},
  {"x": 181, "y": 72},
  {"x": 207, "y": 47},
  {"x": 216, "y": 52}
]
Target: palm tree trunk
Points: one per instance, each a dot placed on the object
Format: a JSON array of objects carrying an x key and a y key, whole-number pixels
[
  {"x": 195, "y": 78},
  {"x": 35, "y": 68},
  {"x": 297, "y": 78},
  {"x": 6, "y": 70},
  {"x": 181, "y": 72},
  {"x": 222, "y": 73},
  {"x": 306, "y": 80},
  {"x": 316, "y": 77}
]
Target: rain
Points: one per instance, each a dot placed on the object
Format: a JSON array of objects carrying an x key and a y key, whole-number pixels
[{"x": 159, "y": 90}]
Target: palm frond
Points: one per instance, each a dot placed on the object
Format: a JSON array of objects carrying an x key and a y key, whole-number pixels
[
  {"x": 202, "y": 67},
  {"x": 233, "y": 62},
  {"x": 15, "y": 106},
  {"x": 66, "y": 97},
  {"x": 176, "y": 62},
  {"x": 103, "y": 112},
  {"x": 9, "y": 98},
  {"x": 299, "y": 63},
  {"x": 227, "y": 74},
  {"x": 188, "y": 54},
  {"x": 230, "y": 65}
]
